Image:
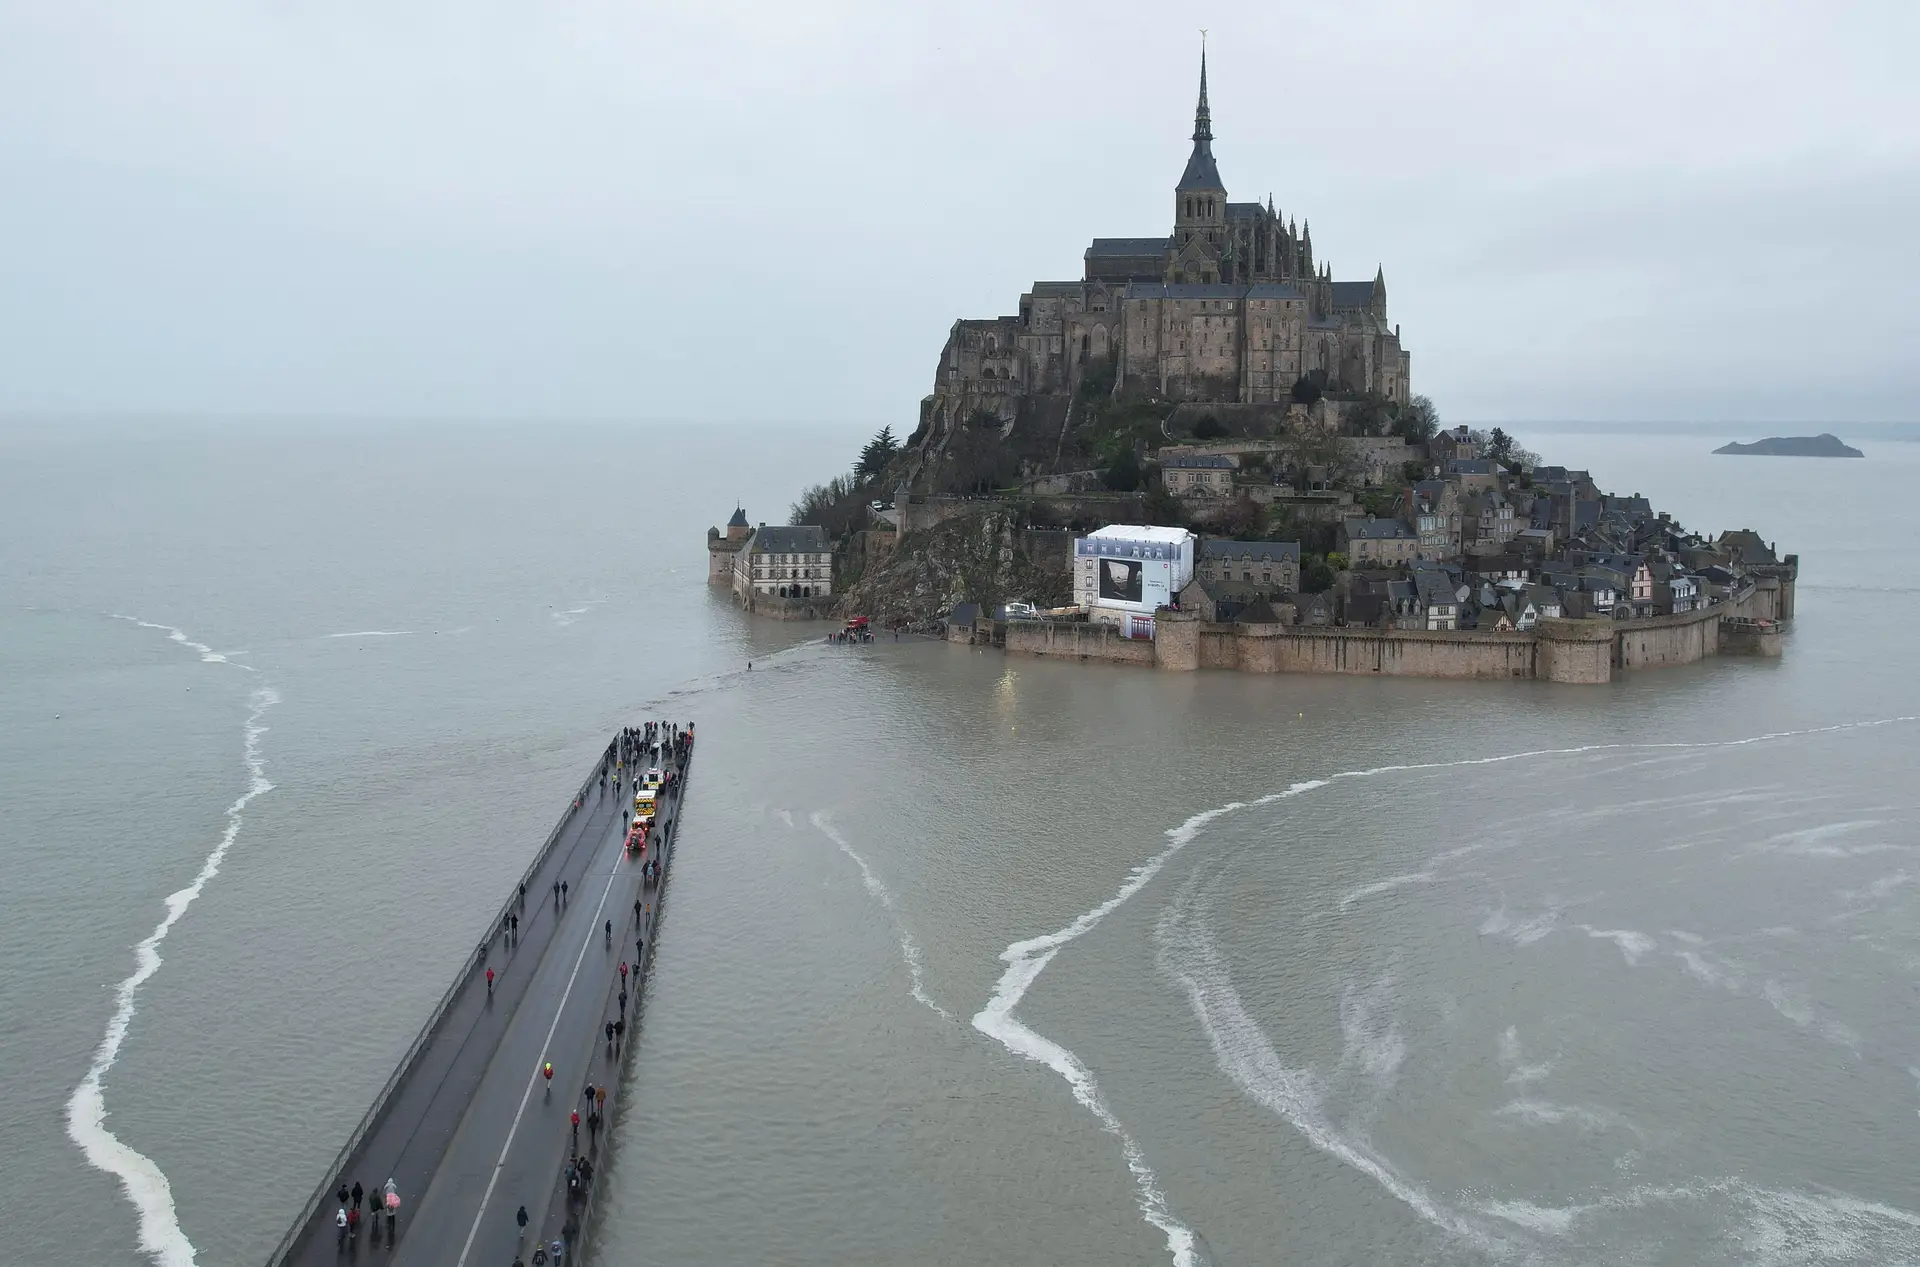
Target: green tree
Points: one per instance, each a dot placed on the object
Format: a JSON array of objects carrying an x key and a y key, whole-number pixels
[
  {"x": 1418, "y": 422},
  {"x": 1315, "y": 576},
  {"x": 1123, "y": 473},
  {"x": 1208, "y": 428},
  {"x": 1161, "y": 508},
  {"x": 1307, "y": 388},
  {"x": 875, "y": 456},
  {"x": 1500, "y": 446},
  {"x": 1337, "y": 562}
]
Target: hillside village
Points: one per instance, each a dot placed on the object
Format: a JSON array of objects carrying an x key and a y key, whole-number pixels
[{"x": 1218, "y": 384}]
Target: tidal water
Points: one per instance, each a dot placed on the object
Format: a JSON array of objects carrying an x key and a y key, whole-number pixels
[{"x": 969, "y": 959}]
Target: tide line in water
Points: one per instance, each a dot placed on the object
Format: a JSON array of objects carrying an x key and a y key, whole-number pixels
[
  {"x": 1027, "y": 959},
  {"x": 909, "y": 949},
  {"x": 144, "y": 1183}
]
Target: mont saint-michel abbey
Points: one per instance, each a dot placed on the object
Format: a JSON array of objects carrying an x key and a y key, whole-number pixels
[{"x": 1231, "y": 306}]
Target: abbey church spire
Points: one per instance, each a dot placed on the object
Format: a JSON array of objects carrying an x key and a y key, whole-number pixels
[{"x": 1201, "y": 174}]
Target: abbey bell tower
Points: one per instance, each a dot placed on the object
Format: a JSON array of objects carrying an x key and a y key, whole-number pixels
[{"x": 1199, "y": 203}]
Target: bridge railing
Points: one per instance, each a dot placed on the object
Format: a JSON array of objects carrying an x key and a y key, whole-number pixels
[{"x": 328, "y": 1177}]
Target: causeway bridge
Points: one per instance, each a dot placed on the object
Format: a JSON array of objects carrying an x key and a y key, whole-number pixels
[{"x": 466, "y": 1126}]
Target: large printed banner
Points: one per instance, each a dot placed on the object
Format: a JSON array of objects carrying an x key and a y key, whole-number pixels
[{"x": 1121, "y": 580}]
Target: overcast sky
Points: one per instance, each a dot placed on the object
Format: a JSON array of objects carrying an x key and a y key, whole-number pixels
[{"x": 775, "y": 210}]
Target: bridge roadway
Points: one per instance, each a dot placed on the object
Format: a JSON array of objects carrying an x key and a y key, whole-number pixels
[{"x": 470, "y": 1133}]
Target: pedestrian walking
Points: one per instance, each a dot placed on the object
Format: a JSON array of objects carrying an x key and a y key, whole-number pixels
[
  {"x": 358, "y": 1194},
  {"x": 600, "y": 1099},
  {"x": 353, "y": 1222},
  {"x": 619, "y": 1032},
  {"x": 343, "y": 1194},
  {"x": 609, "y": 934},
  {"x": 340, "y": 1223},
  {"x": 609, "y": 1034},
  {"x": 516, "y": 925},
  {"x": 623, "y": 1002},
  {"x": 563, "y": 892},
  {"x": 523, "y": 893},
  {"x": 489, "y": 982},
  {"x": 393, "y": 1218},
  {"x": 521, "y": 1219},
  {"x": 623, "y": 978},
  {"x": 556, "y": 892},
  {"x": 576, "y": 1128},
  {"x": 587, "y": 1095}
]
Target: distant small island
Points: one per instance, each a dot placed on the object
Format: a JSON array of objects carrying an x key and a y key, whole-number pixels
[{"x": 1820, "y": 446}]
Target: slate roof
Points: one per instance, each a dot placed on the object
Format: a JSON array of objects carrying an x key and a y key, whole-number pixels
[
  {"x": 789, "y": 539},
  {"x": 1472, "y": 466},
  {"x": 1273, "y": 290},
  {"x": 1201, "y": 172},
  {"x": 1377, "y": 530},
  {"x": 1056, "y": 290},
  {"x": 1433, "y": 587},
  {"x": 1352, "y": 294},
  {"x": 1266, "y": 551},
  {"x": 1245, "y": 210},
  {"x": 1183, "y": 290},
  {"x": 1747, "y": 546},
  {"x": 1215, "y": 463},
  {"x": 1104, "y": 247},
  {"x": 739, "y": 519}
]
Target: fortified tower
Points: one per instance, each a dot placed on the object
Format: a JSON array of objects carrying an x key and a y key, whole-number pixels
[{"x": 721, "y": 549}]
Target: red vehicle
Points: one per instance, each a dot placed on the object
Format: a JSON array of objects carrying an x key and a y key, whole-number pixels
[
  {"x": 857, "y": 624},
  {"x": 637, "y": 837}
]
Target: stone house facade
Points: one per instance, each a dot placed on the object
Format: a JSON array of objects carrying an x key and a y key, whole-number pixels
[
  {"x": 1274, "y": 564},
  {"x": 784, "y": 561},
  {"x": 1205, "y": 476},
  {"x": 1373, "y": 542}
]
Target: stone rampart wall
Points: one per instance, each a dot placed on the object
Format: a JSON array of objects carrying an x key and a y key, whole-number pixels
[
  {"x": 1665, "y": 640},
  {"x": 1586, "y": 652},
  {"x": 1403, "y": 652},
  {"x": 1079, "y": 640}
]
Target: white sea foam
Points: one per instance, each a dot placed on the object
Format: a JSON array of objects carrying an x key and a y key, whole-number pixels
[
  {"x": 374, "y": 633},
  {"x": 207, "y": 654},
  {"x": 1811, "y": 842},
  {"x": 1707, "y": 971},
  {"x": 1187, "y": 954},
  {"x": 1536, "y": 1218},
  {"x": 1519, "y": 1073},
  {"x": 1633, "y": 945},
  {"x": 1386, "y": 886},
  {"x": 1691, "y": 939},
  {"x": 146, "y": 1186},
  {"x": 909, "y": 949},
  {"x": 1788, "y": 1000},
  {"x": 1521, "y": 930},
  {"x": 567, "y": 616},
  {"x": 1534, "y": 1112},
  {"x": 1026, "y": 959},
  {"x": 786, "y": 816}
]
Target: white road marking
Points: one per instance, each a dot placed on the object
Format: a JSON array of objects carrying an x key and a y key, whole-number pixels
[{"x": 493, "y": 1179}]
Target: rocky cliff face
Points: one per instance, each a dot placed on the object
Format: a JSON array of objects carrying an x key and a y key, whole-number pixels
[{"x": 985, "y": 558}]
